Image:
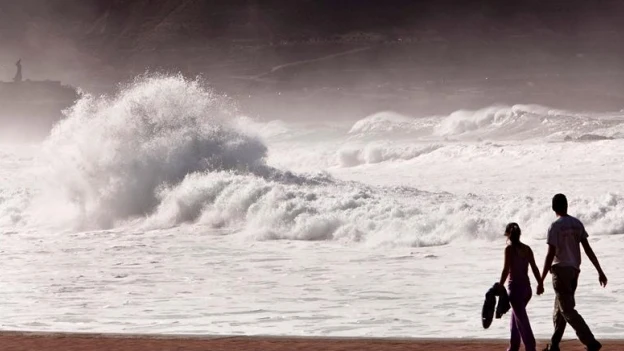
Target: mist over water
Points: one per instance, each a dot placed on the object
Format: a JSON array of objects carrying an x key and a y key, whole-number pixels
[
  {"x": 344, "y": 168},
  {"x": 163, "y": 208},
  {"x": 111, "y": 154},
  {"x": 166, "y": 150}
]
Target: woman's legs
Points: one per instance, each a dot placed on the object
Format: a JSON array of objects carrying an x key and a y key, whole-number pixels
[
  {"x": 520, "y": 325},
  {"x": 514, "y": 341}
]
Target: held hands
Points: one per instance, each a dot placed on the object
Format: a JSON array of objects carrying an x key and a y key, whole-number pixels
[{"x": 540, "y": 288}]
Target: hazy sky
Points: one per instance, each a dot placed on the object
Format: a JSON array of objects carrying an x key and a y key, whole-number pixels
[{"x": 99, "y": 42}]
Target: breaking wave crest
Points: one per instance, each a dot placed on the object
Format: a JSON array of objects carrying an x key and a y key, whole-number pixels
[
  {"x": 517, "y": 122},
  {"x": 343, "y": 211},
  {"x": 166, "y": 151},
  {"x": 386, "y": 122},
  {"x": 112, "y": 154},
  {"x": 353, "y": 212},
  {"x": 380, "y": 152}
]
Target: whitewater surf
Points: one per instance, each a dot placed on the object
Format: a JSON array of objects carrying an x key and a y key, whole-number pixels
[{"x": 163, "y": 208}]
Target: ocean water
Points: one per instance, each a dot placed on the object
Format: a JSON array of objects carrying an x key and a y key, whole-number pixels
[{"x": 162, "y": 209}]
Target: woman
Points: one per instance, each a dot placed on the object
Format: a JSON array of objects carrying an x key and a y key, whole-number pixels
[{"x": 518, "y": 257}]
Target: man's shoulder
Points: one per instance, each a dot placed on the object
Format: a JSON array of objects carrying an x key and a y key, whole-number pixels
[
  {"x": 556, "y": 223},
  {"x": 553, "y": 232},
  {"x": 572, "y": 220},
  {"x": 567, "y": 219}
]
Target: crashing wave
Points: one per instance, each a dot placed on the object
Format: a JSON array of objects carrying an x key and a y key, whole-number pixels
[
  {"x": 112, "y": 154},
  {"x": 377, "y": 152},
  {"x": 390, "y": 123},
  {"x": 519, "y": 122},
  {"x": 166, "y": 151}
]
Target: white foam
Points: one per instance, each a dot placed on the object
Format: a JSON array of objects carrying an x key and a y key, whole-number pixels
[
  {"x": 390, "y": 123},
  {"x": 112, "y": 153},
  {"x": 377, "y": 152},
  {"x": 209, "y": 231},
  {"x": 498, "y": 122}
]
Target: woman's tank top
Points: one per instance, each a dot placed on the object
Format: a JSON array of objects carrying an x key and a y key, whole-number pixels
[{"x": 519, "y": 267}]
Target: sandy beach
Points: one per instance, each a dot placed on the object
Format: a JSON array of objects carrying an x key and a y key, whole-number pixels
[{"x": 18, "y": 341}]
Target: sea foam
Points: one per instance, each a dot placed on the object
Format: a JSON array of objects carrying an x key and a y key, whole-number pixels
[{"x": 167, "y": 151}]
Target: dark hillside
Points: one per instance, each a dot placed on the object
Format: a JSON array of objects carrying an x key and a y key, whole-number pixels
[{"x": 402, "y": 54}]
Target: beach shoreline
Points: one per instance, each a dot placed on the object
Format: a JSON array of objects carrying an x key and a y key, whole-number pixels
[{"x": 49, "y": 341}]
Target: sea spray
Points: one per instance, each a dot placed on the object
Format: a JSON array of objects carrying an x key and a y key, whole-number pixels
[
  {"x": 111, "y": 154},
  {"x": 166, "y": 151},
  {"x": 497, "y": 122}
]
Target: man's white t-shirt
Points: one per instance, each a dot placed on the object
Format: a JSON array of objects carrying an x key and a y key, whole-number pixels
[{"x": 565, "y": 234}]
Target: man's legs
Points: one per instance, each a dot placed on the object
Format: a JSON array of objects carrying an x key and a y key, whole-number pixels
[
  {"x": 565, "y": 280},
  {"x": 560, "y": 324}
]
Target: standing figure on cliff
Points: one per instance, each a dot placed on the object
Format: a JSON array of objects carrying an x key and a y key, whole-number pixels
[{"x": 18, "y": 75}]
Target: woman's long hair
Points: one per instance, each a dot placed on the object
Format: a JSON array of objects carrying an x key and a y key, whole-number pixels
[{"x": 513, "y": 232}]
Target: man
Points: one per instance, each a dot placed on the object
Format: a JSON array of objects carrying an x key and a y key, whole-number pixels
[
  {"x": 563, "y": 260},
  {"x": 18, "y": 74}
]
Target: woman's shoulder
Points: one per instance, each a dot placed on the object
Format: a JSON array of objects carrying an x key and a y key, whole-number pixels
[{"x": 527, "y": 249}]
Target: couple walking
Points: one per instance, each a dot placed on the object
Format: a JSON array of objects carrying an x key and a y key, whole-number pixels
[{"x": 565, "y": 236}]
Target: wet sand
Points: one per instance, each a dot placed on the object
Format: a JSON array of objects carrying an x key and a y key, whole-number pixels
[{"x": 18, "y": 341}]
